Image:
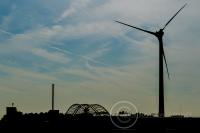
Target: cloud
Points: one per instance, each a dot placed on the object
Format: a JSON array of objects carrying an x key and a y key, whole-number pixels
[
  {"x": 75, "y": 6},
  {"x": 51, "y": 56},
  {"x": 6, "y": 32},
  {"x": 25, "y": 74}
]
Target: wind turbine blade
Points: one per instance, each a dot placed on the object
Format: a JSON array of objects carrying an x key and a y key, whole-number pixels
[
  {"x": 165, "y": 62},
  {"x": 136, "y": 28},
  {"x": 174, "y": 16}
]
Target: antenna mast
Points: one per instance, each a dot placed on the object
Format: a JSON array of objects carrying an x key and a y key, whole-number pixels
[{"x": 53, "y": 96}]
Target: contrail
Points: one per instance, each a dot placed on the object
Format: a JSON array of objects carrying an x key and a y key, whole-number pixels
[
  {"x": 61, "y": 50},
  {"x": 6, "y": 32},
  {"x": 78, "y": 55},
  {"x": 116, "y": 84}
]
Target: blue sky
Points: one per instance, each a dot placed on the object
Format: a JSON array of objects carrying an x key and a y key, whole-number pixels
[{"x": 91, "y": 59}]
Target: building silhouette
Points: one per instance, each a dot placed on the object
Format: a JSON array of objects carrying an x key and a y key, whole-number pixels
[{"x": 92, "y": 117}]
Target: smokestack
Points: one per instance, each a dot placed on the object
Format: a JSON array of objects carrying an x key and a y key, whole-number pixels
[{"x": 52, "y": 96}]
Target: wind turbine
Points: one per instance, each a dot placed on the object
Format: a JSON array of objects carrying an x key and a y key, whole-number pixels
[{"x": 159, "y": 34}]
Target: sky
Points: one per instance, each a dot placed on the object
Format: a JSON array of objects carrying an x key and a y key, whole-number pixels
[{"x": 76, "y": 45}]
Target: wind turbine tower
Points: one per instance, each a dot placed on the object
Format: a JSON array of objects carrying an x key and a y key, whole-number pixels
[{"x": 159, "y": 35}]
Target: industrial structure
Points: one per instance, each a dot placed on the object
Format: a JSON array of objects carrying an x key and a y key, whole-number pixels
[{"x": 92, "y": 109}]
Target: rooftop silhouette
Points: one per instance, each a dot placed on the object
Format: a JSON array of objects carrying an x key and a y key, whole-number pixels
[{"x": 90, "y": 117}]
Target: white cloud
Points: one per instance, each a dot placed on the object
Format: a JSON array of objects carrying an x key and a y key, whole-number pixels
[
  {"x": 75, "y": 6},
  {"x": 101, "y": 50},
  {"x": 31, "y": 42},
  {"x": 101, "y": 28},
  {"x": 25, "y": 74},
  {"x": 51, "y": 56}
]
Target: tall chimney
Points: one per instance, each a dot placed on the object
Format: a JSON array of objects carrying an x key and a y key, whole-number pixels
[{"x": 52, "y": 96}]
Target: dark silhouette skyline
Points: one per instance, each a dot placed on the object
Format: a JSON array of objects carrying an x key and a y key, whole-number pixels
[
  {"x": 30, "y": 60},
  {"x": 88, "y": 117},
  {"x": 92, "y": 117}
]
